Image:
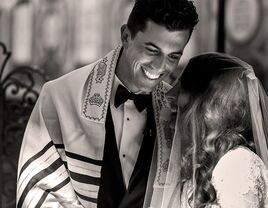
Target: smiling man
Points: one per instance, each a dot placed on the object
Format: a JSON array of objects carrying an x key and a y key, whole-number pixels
[
  {"x": 96, "y": 136},
  {"x": 150, "y": 55}
]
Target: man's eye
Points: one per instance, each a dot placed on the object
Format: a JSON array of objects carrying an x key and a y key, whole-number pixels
[
  {"x": 152, "y": 51},
  {"x": 174, "y": 57}
]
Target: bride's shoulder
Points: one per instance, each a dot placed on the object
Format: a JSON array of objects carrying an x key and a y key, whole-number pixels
[
  {"x": 240, "y": 178},
  {"x": 240, "y": 159},
  {"x": 240, "y": 169}
]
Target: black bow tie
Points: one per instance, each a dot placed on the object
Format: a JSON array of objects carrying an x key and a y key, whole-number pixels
[{"x": 140, "y": 101}]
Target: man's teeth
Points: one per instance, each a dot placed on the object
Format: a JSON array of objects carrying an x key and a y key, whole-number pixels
[{"x": 150, "y": 75}]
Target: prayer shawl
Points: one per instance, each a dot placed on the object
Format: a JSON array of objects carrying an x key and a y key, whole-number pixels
[{"x": 62, "y": 149}]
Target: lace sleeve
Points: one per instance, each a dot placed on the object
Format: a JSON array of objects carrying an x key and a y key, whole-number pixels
[{"x": 241, "y": 180}]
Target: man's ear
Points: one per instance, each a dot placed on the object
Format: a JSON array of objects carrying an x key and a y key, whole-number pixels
[{"x": 125, "y": 35}]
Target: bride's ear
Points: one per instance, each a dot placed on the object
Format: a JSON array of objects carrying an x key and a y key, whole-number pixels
[{"x": 125, "y": 35}]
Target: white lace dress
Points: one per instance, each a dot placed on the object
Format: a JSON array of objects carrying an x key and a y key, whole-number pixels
[{"x": 240, "y": 179}]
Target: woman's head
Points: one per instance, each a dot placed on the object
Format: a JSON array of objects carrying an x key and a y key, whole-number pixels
[
  {"x": 215, "y": 115},
  {"x": 214, "y": 86}
]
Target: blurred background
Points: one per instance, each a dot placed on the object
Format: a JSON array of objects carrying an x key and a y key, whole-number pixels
[{"x": 44, "y": 39}]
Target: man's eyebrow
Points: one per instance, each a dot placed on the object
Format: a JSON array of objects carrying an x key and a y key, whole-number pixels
[
  {"x": 152, "y": 44},
  {"x": 177, "y": 53}
]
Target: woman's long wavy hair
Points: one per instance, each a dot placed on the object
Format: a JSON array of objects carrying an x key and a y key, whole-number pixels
[{"x": 216, "y": 120}]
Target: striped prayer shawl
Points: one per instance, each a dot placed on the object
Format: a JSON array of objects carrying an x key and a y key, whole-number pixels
[{"x": 62, "y": 150}]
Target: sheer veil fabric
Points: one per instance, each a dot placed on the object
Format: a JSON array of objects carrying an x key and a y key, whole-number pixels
[{"x": 258, "y": 101}]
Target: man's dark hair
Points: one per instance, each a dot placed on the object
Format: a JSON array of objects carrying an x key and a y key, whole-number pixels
[{"x": 173, "y": 14}]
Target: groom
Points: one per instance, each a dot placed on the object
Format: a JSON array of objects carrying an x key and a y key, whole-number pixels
[{"x": 91, "y": 136}]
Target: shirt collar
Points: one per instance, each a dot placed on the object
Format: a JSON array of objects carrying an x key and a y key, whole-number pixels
[{"x": 114, "y": 88}]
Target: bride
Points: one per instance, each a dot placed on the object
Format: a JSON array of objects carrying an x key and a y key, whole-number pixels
[{"x": 220, "y": 145}]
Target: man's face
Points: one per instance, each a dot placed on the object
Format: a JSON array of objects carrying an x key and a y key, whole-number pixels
[{"x": 150, "y": 56}]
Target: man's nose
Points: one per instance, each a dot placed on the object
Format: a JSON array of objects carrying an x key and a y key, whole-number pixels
[{"x": 160, "y": 63}]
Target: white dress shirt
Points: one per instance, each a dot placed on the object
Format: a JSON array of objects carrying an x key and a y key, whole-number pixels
[{"x": 129, "y": 125}]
